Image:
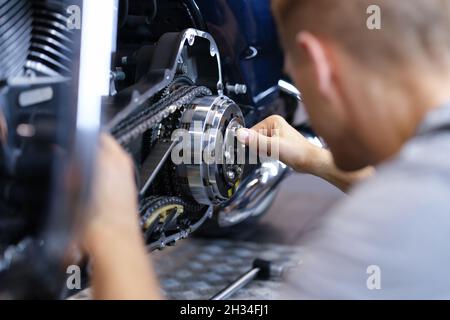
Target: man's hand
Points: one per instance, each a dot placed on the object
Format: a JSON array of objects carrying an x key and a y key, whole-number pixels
[
  {"x": 297, "y": 152},
  {"x": 3, "y": 128},
  {"x": 113, "y": 207},
  {"x": 294, "y": 150},
  {"x": 112, "y": 237}
]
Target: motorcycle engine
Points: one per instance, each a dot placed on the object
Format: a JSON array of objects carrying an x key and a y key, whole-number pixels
[
  {"x": 166, "y": 78},
  {"x": 38, "y": 112},
  {"x": 34, "y": 39},
  {"x": 37, "y": 61},
  {"x": 35, "y": 67}
]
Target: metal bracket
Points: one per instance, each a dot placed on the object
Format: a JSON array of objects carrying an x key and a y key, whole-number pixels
[{"x": 168, "y": 54}]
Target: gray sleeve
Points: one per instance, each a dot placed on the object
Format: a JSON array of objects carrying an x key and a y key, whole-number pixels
[{"x": 389, "y": 240}]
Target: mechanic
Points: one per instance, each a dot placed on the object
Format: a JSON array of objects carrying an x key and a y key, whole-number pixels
[{"x": 379, "y": 98}]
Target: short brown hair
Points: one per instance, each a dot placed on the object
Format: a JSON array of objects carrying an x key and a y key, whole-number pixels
[{"x": 410, "y": 29}]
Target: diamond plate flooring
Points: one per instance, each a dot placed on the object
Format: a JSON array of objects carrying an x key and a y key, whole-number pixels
[{"x": 200, "y": 268}]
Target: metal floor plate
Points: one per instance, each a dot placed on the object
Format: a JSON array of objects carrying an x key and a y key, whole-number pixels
[{"x": 198, "y": 269}]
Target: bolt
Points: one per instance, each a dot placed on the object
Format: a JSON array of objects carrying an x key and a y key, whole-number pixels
[
  {"x": 237, "y": 88},
  {"x": 231, "y": 175},
  {"x": 26, "y": 130},
  {"x": 118, "y": 75},
  {"x": 172, "y": 108},
  {"x": 191, "y": 39}
]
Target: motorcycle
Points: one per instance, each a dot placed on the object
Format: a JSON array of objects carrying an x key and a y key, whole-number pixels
[{"x": 141, "y": 71}]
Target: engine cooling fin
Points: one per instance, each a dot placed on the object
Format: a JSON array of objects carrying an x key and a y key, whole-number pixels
[
  {"x": 51, "y": 41},
  {"x": 34, "y": 37},
  {"x": 15, "y": 36}
]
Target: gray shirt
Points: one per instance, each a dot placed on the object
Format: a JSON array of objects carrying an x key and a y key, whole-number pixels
[{"x": 390, "y": 239}]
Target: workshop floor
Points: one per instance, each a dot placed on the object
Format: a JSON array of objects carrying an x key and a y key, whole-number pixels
[
  {"x": 200, "y": 268},
  {"x": 197, "y": 269},
  {"x": 301, "y": 200}
]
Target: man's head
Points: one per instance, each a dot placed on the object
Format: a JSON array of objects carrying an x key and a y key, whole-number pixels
[{"x": 366, "y": 90}]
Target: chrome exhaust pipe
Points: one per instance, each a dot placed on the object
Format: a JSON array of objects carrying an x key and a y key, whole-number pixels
[{"x": 253, "y": 192}]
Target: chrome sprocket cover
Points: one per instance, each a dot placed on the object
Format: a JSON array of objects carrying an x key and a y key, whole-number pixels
[{"x": 216, "y": 161}]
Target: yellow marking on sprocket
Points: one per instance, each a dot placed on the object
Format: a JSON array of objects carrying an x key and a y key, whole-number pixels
[{"x": 162, "y": 214}]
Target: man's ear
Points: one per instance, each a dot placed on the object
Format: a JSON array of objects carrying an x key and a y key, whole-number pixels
[{"x": 315, "y": 51}]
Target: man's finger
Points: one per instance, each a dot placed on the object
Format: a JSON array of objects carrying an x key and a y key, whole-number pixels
[
  {"x": 243, "y": 136},
  {"x": 266, "y": 124},
  {"x": 257, "y": 140},
  {"x": 3, "y": 129},
  {"x": 270, "y": 124},
  {"x": 251, "y": 136}
]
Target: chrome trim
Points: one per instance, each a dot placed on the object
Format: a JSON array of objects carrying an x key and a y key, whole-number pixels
[
  {"x": 251, "y": 192},
  {"x": 93, "y": 83},
  {"x": 290, "y": 89},
  {"x": 95, "y": 62},
  {"x": 253, "y": 52},
  {"x": 261, "y": 96}
]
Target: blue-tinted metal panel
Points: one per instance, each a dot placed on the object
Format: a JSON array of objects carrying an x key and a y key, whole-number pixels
[{"x": 246, "y": 35}]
